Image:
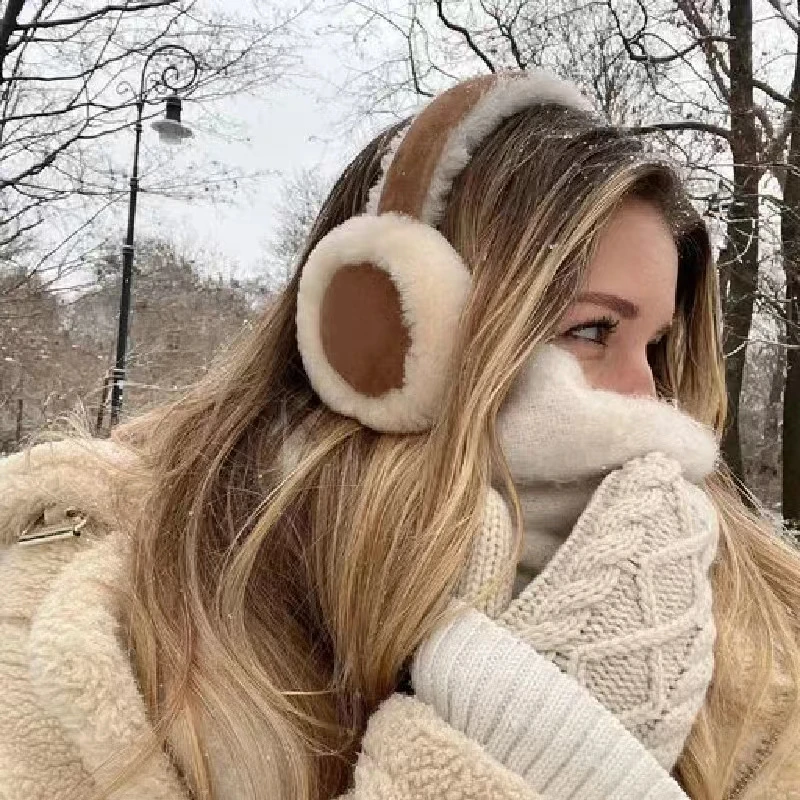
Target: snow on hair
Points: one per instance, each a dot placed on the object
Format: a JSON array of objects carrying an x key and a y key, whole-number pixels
[{"x": 506, "y": 98}]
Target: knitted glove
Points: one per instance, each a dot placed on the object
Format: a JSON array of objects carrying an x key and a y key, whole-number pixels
[
  {"x": 624, "y": 606},
  {"x": 487, "y": 582}
]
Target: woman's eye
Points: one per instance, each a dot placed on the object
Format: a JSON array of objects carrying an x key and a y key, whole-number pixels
[{"x": 596, "y": 332}]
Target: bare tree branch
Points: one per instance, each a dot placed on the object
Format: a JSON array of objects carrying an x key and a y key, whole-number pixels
[
  {"x": 772, "y": 92},
  {"x": 642, "y": 55},
  {"x": 682, "y": 125},
  {"x": 788, "y": 17},
  {"x": 100, "y": 12},
  {"x": 718, "y": 66},
  {"x": 465, "y": 34}
]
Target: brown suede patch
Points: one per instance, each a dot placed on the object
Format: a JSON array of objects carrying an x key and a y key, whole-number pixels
[
  {"x": 409, "y": 177},
  {"x": 363, "y": 332}
]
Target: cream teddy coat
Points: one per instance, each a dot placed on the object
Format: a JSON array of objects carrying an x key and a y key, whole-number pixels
[
  {"x": 69, "y": 700},
  {"x": 68, "y": 697}
]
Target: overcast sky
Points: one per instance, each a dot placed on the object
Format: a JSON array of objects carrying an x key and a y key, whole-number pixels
[{"x": 295, "y": 125}]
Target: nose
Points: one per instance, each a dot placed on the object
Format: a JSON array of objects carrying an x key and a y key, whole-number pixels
[
  {"x": 629, "y": 374},
  {"x": 635, "y": 378}
]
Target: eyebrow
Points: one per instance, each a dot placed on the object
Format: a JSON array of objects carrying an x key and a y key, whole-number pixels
[{"x": 625, "y": 308}]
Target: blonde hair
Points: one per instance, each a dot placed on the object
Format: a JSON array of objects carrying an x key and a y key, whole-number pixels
[{"x": 288, "y": 561}]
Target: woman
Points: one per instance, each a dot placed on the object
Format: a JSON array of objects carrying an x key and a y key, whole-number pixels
[{"x": 296, "y": 581}]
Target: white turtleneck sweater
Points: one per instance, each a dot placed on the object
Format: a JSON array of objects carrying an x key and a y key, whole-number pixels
[{"x": 561, "y": 438}]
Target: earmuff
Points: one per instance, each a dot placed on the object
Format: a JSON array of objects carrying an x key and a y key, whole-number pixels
[{"x": 380, "y": 297}]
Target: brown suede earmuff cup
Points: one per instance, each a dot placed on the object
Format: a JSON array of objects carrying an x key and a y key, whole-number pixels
[{"x": 364, "y": 335}]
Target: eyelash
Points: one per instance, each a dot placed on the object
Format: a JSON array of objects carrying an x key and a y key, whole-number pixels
[{"x": 606, "y": 325}]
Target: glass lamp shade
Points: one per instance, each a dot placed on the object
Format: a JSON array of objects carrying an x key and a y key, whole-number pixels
[
  {"x": 170, "y": 129},
  {"x": 171, "y": 132}
]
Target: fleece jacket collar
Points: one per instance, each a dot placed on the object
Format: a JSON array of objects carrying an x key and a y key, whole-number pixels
[{"x": 84, "y": 678}]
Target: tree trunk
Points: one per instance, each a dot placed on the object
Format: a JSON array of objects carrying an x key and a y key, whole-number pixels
[
  {"x": 7, "y": 25},
  {"x": 723, "y": 269},
  {"x": 18, "y": 431},
  {"x": 791, "y": 394},
  {"x": 790, "y": 242},
  {"x": 777, "y": 384},
  {"x": 742, "y": 268}
]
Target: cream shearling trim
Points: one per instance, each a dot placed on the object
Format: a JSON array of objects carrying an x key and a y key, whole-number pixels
[
  {"x": 84, "y": 679},
  {"x": 510, "y": 95},
  {"x": 72, "y": 472},
  {"x": 433, "y": 283},
  {"x": 409, "y": 753}
]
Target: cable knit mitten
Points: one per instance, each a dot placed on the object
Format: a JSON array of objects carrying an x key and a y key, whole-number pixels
[
  {"x": 488, "y": 580},
  {"x": 624, "y": 606}
]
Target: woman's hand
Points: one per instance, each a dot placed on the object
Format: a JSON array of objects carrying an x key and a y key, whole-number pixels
[{"x": 624, "y": 606}]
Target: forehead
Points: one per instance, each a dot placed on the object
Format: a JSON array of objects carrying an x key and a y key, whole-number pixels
[{"x": 636, "y": 252}]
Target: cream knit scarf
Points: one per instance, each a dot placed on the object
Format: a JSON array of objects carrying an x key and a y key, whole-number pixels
[{"x": 561, "y": 438}]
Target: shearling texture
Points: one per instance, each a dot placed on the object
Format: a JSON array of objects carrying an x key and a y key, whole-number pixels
[
  {"x": 408, "y": 754},
  {"x": 83, "y": 677},
  {"x": 68, "y": 473},
  {"x": 374, "y": 196},
  {"x": 510, "y": 94},
  {"x": 69, "y": 705},
  {"x": 59, "y": 658},
  {"x": 433, "y": 284},
  {"x": 431, "y": 279}
]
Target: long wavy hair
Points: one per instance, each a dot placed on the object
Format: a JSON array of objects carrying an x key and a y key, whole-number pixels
[{"x": 288, "y": 561}]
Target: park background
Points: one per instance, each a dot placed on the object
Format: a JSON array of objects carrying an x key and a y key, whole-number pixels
[{"x": 284, "y": 95}]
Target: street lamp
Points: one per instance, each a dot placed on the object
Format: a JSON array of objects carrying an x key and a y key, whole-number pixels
[{"x": 177, "y": 76}]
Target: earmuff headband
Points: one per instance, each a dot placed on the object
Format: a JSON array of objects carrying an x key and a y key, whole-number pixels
[
  {"x": 429, "y": 154},
  {"x": 380, "y": 297}
]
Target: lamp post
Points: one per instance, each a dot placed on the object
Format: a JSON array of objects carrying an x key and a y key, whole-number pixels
[{"x": 177, "y": 76}]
